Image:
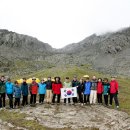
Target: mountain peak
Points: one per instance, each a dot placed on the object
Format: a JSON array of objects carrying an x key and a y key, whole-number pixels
[{"x": 106, "y": 53}]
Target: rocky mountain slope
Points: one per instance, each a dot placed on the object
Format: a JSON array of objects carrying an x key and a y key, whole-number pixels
[
  {"x": 108, "y": 53},
  {"x": 18, "y": 50},
  {"x": 13, "y": 45}
]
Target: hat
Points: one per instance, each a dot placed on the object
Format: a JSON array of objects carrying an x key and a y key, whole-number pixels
[
  {"x": 86, "y": 76},
  {"x": 52, "y": 79},
  {"x": 45, "y": 79},
  {"x": 33, "y": 78}
]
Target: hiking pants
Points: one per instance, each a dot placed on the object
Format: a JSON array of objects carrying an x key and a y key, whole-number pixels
[
  {"x": 49, "y": 96},
  {"x": 41, "y": 98},
  {"x": 2, "y": 100},
  {"x": 17, "y": 102},
  {"x": 115, "y": 99},
  {"x": 25, "y": 100},
  {"x": 99, "y": 97},
  {"x": 33, "y": 98},
  {"x": 106, "y": 99},
  {"x": 86, "y": 96},
  {"x": 93, "y": 96},
  {"x": 10, "y": 96},
  {"x": 58, "y": 98}
]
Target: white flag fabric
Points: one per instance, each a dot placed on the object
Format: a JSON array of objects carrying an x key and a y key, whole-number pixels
[{"x": 68, "y": 92}]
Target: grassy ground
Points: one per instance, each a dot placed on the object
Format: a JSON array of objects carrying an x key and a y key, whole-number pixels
[
  {"x": 17, "y": 119},
  {"x": 124, "y": 94}
]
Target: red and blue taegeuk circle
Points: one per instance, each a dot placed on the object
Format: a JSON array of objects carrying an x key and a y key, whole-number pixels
[{"x": 69, "y": 92}]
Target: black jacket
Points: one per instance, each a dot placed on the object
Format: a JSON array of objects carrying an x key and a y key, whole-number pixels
[
  {"x": 49, "y": 85},
  {"x": 80, "y": 88}
]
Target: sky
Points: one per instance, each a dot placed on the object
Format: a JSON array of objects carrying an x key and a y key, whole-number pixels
[{"x": 61, "y": 22}]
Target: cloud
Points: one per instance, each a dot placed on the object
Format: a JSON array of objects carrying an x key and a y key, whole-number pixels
[{"x": 60, "y": 22}]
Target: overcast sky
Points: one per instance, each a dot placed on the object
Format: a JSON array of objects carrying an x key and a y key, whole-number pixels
[{"x": 60, "y": 22}]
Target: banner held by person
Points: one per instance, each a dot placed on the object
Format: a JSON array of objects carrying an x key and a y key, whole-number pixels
[{"x": 68, "y": 92}]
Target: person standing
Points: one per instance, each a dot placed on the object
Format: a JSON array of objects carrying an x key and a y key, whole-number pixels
[
  {"x": 114, "y": 91},
  {"x": 86, "y": 91},
  {"x": 24, "y": 89},
  {"x": 9, "y": 91},
  {"x": 67, "y": 84},
  {"x": 33, "y": 90},
  {"x": 75, "y": 83},
  {"x": 106, "y": 90},
  {"x": 93, "y": 94},
  {"x": 2, "y": 92},
  {"x": 56, "y": 86},
  {"x": 80, "y": 91},
  {"x": 99, "y": 91},
  {"x": 42, "y": 91},
  {"x": 17, "y": 94},
  {"x": 49, "y": 90}
]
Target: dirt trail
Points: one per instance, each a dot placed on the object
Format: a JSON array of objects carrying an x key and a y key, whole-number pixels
[{"x": 77, "y": 117}]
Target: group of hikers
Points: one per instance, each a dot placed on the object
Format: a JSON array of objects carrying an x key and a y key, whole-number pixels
[{"x": 89, "y": 91}]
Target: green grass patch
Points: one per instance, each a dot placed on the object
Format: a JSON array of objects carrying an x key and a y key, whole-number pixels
[{"x": 17, "y": 119}]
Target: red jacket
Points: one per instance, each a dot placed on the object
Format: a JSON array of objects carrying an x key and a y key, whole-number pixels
[
  {"x": 99, "y": 88},
  {"x": 113, "y": 86},
  {"x": 56, "y": 88},
  {"x": 34, "y": 88}
]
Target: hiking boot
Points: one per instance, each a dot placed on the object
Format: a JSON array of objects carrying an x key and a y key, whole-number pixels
[
  {"x": 117, "y": 107},
  {"x": 82, "y": 104},
  {"x": 110, "y": 105}
]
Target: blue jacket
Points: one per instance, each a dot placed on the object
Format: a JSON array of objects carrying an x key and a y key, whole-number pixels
[
  {"x": 9, "y": 87},
  {"x": 87, "y": 88},
  {"x": 42, "y": 88},
  {"x": 24, "y": 88},
  {"x": 17, "y": 92},
  {"x": 106, "y": 87}
]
